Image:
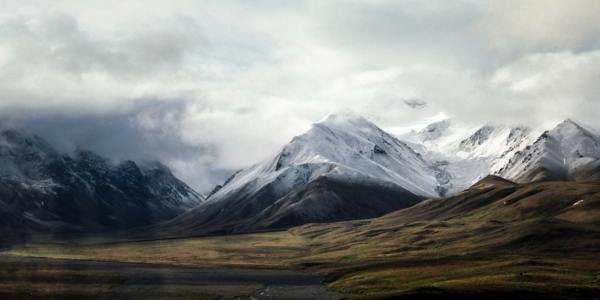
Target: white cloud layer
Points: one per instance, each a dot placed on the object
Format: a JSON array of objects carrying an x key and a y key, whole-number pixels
[{"x": 213, "y": 86}]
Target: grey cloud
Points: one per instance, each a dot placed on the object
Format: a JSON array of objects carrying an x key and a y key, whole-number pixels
[
  {"x": 516, "y": 28},
  {"x": 56, "y": 40},
  {"x": 539, "y": 89},
  {"x": 50, "y": 63},
  {"x": 415, "y": 103},
  {"x": 387, "y": 32},
  {"x": 482, "y": 35}
]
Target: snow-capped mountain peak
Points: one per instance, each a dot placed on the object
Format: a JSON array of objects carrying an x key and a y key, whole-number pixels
[
  {"x": 434, "y": 131},
  {"x": 579, "y": 137},
  {"x": 341, "y": 145},
  {"x": 463, "y": 154},
  {"x": 345, "y": 118},
  {"x": 343, "y": 167},
  {"x": 567, "y": 151},
  {"x": 480, "y": 137}
]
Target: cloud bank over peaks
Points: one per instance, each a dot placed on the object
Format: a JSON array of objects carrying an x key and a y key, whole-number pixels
[{"x": 225, "y": 84}]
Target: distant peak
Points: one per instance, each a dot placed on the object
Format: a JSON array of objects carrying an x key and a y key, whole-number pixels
[
  {"x": 346, "y": 120},
  {"x": 434, "y": 130},
  {"x": 569, "y": 123},
  {"x": 342, "y": 116},
  {"x": 444, "y": 123}
]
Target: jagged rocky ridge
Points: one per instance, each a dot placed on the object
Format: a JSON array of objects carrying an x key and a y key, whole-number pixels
[
  {"x": 45, "y": 191},
  {"x": 464, "y": 156}
]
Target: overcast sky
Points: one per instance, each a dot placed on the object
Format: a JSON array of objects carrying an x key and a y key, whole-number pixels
[{"x": 213, "y": 86}]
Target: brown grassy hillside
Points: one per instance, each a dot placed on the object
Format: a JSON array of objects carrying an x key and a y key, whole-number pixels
[{"x": 497, "y": 239}]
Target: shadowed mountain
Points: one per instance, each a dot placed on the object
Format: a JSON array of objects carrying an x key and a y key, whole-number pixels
[
  {"x": 321, "y": 200},
  {"x": 45, "y": 191}
]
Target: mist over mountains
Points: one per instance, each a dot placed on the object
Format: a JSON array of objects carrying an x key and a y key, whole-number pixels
[{"x": 344, "y": 167}]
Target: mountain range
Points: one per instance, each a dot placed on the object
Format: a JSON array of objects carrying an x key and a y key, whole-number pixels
[
  {"x": 343, "y": 168},
  {"x": 467, "y": 154}
]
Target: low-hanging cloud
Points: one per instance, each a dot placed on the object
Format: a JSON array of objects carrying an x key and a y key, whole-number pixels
[{"x": 148, "y": 131}]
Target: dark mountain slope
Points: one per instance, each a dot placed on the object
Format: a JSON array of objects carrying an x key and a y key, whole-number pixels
[
  {"x": 322, "y": 200},
  {"x": 44, "y": 191}
]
